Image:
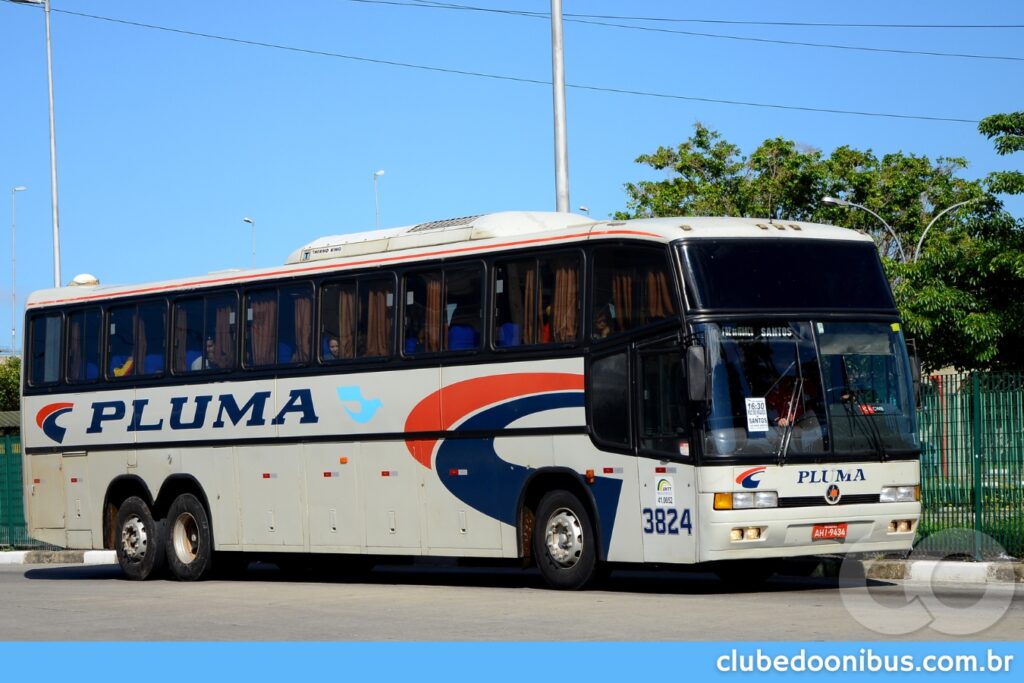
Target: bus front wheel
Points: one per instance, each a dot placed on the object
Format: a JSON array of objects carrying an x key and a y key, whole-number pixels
[
  {"x": 563, "y": 541},
  {"x": 139, "y": 549},
  {"x": 189, "y": 542}
]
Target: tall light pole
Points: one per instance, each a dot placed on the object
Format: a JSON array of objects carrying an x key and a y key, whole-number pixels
[
  {"x": 835, "y": 201},
  {"x": 53, "y": 142},
  {"x": 558, "y": 88},
  {"x": 252, "y": 222},
  {"x": 917, "y": 250},
  {"x": 376, "y": 197},
  {"x": 14, "y": 279}
]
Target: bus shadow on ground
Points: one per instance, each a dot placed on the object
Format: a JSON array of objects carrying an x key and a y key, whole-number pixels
[{"x": 479, "y": 575}]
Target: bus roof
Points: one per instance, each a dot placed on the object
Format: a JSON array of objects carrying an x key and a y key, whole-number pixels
[{"x": 459, "y": 236}]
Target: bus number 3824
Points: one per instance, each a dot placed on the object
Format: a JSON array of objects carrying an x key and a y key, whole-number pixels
[{"x": 667, "y": 521}]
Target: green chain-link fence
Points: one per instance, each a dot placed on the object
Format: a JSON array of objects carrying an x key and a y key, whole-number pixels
[
  {"x": 12, "y": 509},
  {"x": 972, "y": 461}
]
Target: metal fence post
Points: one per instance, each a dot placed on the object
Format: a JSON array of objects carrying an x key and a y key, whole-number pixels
[{"x": 976, "y": 443}]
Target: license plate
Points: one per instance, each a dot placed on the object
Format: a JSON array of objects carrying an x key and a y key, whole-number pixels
[{"x": 824, "y": 532}]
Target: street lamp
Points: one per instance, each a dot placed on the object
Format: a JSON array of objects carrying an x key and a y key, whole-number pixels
[
  {"x": 14, "y": 280},
  {"x": 585, "y": 209},
  {"x": 376, "y": 197},
  {"x": 835, "y": 201},
  {"x": 53, "y": 142},
  {"x": 917, "y": 250},
  {"x": 252, "y": 222}
]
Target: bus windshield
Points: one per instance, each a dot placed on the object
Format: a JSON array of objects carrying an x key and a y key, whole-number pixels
[{"x": 808, "y": 389}]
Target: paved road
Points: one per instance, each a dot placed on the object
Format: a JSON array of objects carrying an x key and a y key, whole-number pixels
[{"x": 449, "y": 603}]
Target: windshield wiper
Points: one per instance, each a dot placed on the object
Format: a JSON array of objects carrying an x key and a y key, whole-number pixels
[
  {"x": 854, "y": 406},
  {"x": 795, "y": 399}
]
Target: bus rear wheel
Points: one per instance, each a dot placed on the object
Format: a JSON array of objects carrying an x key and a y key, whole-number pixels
[
  {"x": 564, "y": 542},
  {"x": 139, "y": 544},
  {"x": 189, "y": 542}
]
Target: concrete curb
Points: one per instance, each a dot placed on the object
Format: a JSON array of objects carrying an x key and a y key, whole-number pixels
[
  {"x": 94, "y": 557},
  {"x": 928, "y": 571}
]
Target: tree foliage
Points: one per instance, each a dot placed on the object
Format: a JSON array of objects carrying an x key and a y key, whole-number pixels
[
  {"x": 956, "y": 296},
  {"x": 10, "y": 377}
]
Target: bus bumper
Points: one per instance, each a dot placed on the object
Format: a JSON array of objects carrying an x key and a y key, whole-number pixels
[{"x": 790, "y": 532}]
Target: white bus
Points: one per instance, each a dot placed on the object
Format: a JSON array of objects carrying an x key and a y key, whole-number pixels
[{"x": 542, "y": 386}]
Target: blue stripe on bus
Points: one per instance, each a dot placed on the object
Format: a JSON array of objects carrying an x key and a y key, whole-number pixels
[{"x": 493, "y": 486}]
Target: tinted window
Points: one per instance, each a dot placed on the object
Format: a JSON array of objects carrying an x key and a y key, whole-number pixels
[
  {"x": 357, "y": 319},
  {"x": 44, "y": 350},
  {"x": 785, "y": 274},
  {"x": 279, "y": 326},
  {"x": 443, "y": 310},
  {"x": 632, "y": 288},
  {"x": 136, "y": 339},
  {"x": 205, "y": 333},
  {"x": 608, "y": 392},
  {"x": 85, "y": 331},
  {"x": 537, "y": 301}
]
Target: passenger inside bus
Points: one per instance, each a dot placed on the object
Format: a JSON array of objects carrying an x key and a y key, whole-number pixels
[{"x": 206, "y": 361}]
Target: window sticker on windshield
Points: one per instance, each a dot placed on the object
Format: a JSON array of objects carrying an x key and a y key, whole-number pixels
[{"x": 757, "y": 415}]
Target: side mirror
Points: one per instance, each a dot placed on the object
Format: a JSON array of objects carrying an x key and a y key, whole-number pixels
[{"x": 696, "y": 374}]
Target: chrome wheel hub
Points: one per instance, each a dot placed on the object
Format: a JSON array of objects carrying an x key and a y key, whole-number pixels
[
  {"x": 134, "y": 539},
  {"x": 564, "y": 537}
]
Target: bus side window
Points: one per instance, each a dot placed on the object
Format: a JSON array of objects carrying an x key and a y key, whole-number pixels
[
  {"x": 187, "y": 336},
  {"x": 608, "y": 391},
  {"x": 376, "y": 318},
  {"x": 664, "y": 426},
  {"x": 463, "y": 292},
  {"x": 560, "y": 302},
  {"x": 631, "y": 289},
  {"x": 295, "y": 328},
  {"x": 152, "y": 338},
  {"x": 424, "y": 314},
  {"x": 45, "y": 346},
  {"x": 85, "y": 330},
  {"x": 515, "y": 302},
  {"x": 121, "y": 342}
]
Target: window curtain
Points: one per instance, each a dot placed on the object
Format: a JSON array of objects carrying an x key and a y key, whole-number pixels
[
  {"x": 566, "y": 301},
  {"x": 530, "y": 295},
  {"x": 303, "y": 328},
  {"x": 378, "y": 321},
  {"x": 264, "y": 331},
  {"x": 347, "y": 321},
  {"x": 180, "y": 339},
  {"x": 223, "y": 339},
  {"x": 659, "y": 301},
  {"x": 434, "y": 319},
  {"x": 76, "y": 342},
  {"x": 622, "y": 298}
]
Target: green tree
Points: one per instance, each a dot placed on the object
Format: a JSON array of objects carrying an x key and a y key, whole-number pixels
[
  {"x": 1007, "y": 133},
  {"x": 956, "y": 295},
  {"x": 10, "y": 377}
]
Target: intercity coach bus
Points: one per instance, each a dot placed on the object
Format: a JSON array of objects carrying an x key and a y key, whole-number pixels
[{"x": 535, "y": 386}]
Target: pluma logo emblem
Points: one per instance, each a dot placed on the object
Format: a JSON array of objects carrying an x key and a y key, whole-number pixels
[{"x": 46, "y": 419}]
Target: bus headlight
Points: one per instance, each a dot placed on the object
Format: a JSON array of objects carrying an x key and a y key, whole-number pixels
[
  {"x": 900, "y": 494},
  {"x": 744, "y": 500}
]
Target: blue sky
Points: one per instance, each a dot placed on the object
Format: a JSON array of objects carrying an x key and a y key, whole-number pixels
[{"x": 165, "y": 140}]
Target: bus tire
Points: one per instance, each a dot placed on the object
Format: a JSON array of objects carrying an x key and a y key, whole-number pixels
[
  {"x": 564, "y": 542},
  {"x": 189, "y": 543},
  {"x": 139, "y": 542}
]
